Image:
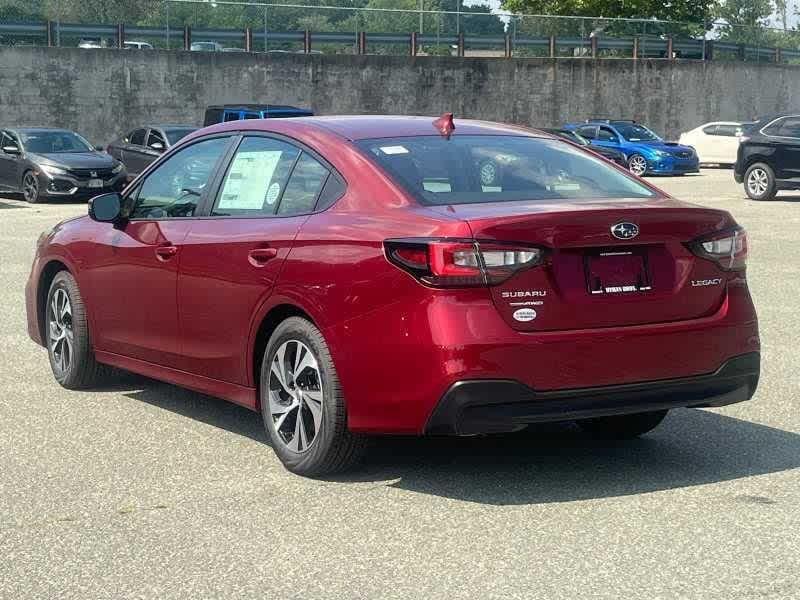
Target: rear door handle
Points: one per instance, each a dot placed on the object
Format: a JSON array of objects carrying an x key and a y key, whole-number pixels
[
  {"x": 166, "y": 251},
  {"x": 258, "y": 257}
]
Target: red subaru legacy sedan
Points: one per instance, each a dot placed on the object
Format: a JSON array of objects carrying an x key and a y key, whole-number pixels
[{"x": 348, "y": 276}]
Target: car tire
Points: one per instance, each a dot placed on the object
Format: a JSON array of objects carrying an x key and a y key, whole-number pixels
[
  {"x": 30, "y": 187},
  {"x": 759, "y": 182},
  {"x": 67, "y": 336},
  {"x": 621, "y": 427},
  {"x": 637, "y": 164},
  {"x": 302, "y": 403}
]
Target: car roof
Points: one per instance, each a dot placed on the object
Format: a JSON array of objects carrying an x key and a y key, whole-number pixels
[
  {"x": 359, "y": 127},
  {"x": 40, "y": 129}
]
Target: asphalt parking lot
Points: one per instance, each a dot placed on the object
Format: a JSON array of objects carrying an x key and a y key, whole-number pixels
[{"x": 144, "y": 490}]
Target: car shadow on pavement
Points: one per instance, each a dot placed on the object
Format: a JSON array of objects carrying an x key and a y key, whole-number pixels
[
  {"x": 545, "y": 463},
  {"x": 558, "y": 463}
]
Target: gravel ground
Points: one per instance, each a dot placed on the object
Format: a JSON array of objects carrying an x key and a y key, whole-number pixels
[{"x": 144, "y": 490}]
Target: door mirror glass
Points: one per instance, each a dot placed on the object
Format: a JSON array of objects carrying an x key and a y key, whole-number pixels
[
  {"x": 106, "y": 208},
  {"x": 99, "y": 148},
  {"x": 11, "y": 149}
]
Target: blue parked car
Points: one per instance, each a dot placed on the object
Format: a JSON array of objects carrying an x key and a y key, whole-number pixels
[
  {"x": 222, "y": 113},
  {"x": 644, "y": 151}
]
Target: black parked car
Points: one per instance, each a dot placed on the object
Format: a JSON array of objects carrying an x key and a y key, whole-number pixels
[
  {"x": 768, "y": 158},
  {"x": 609, "y": 153},
  {"x": 145, "y": 144},
  {"x": 56, "y": 163}
]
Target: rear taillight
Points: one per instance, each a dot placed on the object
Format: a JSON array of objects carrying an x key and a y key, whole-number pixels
[
  {"x": 461, "y": 263},
  {"x": 726, "y": 248}
]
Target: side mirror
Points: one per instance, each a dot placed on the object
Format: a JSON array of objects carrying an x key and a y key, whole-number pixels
[
  {"x": 99, "y": 148},
  {"x": 106, "y": 208},
  {"x": 157, "y": 146},
  {"x": 11, "y": 150}
]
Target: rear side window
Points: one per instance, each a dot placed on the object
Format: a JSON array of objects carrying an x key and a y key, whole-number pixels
[
  {"x": 790, "y": 127},
  {"x": 256, "y": 178},
  {"x": 231, "y": 116},
  {"x": 588, "y": 131},
  {"x": 136, "y": 137},
  {"x": 503, "y": 168},
  {"x": 710, "y": 130},
  {"x": 305, "y": 184}
]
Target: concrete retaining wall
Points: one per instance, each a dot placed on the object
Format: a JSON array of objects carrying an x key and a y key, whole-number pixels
[{"x": 102, "y": 93}]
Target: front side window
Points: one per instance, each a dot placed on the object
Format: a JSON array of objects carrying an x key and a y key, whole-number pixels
[
  {"x": 175, "y": 188},
  {"x": 7, "y": 140},
  {"x": 256, "y": 178},
  {"x": 588, "y": 131},
  {"x": 498, "y": 168},
  {"x": 636, "y": 133},
  {"x": 606, "y": 135},
  {"x": 54, "y": 142},
  {"x": 136, "y": 138}
]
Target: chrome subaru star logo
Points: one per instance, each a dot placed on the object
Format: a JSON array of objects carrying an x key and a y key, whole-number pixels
[{"x": 625, "y": 231}]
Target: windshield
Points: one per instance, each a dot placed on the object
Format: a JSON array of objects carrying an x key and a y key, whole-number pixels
[
  {"x": 54, "y": 142},
  {"x": 636, "y": 133},
  {"x": 502, "y": 168},
  {"x": 173, "y": 135}
]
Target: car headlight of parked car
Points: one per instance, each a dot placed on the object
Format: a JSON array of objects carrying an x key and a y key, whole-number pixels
[
  {"x": 117, "y": 168},
  {"x": 660, "y": 153},
  {"x": 53, "y": 171}
]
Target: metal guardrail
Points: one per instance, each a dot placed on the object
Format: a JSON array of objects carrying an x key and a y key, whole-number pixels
[{"x": 594, "y": 46}]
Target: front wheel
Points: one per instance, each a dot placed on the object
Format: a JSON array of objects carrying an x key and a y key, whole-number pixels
[
  {"x": 30, "y": 187},
  {"x": 67, "y": 336},
  {"x": 302, "y": 402},
  {"x": 759, "y": 182},
  {"x": 622, "y": 427},
  {"x": 637, "y": 164}
]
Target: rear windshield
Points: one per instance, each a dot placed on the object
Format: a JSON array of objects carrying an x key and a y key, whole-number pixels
[
  {"x": 173, "y": 135},
  {"x": 487, "y": 168}
]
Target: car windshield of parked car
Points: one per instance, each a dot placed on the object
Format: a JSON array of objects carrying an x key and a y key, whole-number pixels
[
  {"x": 53, "y": 142},
  {"x": 173, "y": 135},
  {"x": 636, "y": 133},
  {"x": 498, "y": 168}
]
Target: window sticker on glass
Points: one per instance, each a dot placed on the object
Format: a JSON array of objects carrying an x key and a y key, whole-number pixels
[
  {"x": 394, "y": 150},
  {"x": 273, "y": 192},
  {"x": 247, "y": 181}
]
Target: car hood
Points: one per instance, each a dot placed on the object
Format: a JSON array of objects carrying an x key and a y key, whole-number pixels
[{"x": 74, "y": 160}]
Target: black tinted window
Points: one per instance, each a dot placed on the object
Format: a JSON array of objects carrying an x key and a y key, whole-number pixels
[
  {"x": 710, "y": 130},
  {"x": 256, "y": 178},
  {"x": 588, "y": 131},
  {"x": 498, "y": 168},
  {"x": 304, "y": 187},
  {"x": 729, "y": 130},
  {"x": 606, "y": 135},
  {"x": 137, "y": 137},
  {"x": 790, "y": 127},
  {"x": 174, "y": 189}
]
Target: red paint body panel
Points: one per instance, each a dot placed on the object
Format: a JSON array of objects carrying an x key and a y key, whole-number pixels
[{"x": 397, "y": 344}]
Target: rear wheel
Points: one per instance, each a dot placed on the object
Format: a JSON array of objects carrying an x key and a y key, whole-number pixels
[
  {"x": 759, "y": 182},
  {"x": 623, "y": 426},
  {"x": 302, "y": 402},
  {"x": 67, "y": 336},
  {"x": 637, "y": 164},
  {"x": 30, "y": 187}
]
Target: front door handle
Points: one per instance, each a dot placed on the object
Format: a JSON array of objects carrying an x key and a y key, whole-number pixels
[
  {"x": 166, "y": 252},
  {"x": 258, "y": 257}
]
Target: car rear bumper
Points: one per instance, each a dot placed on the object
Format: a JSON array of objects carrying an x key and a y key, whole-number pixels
[{"x": 496, "y": 405}]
